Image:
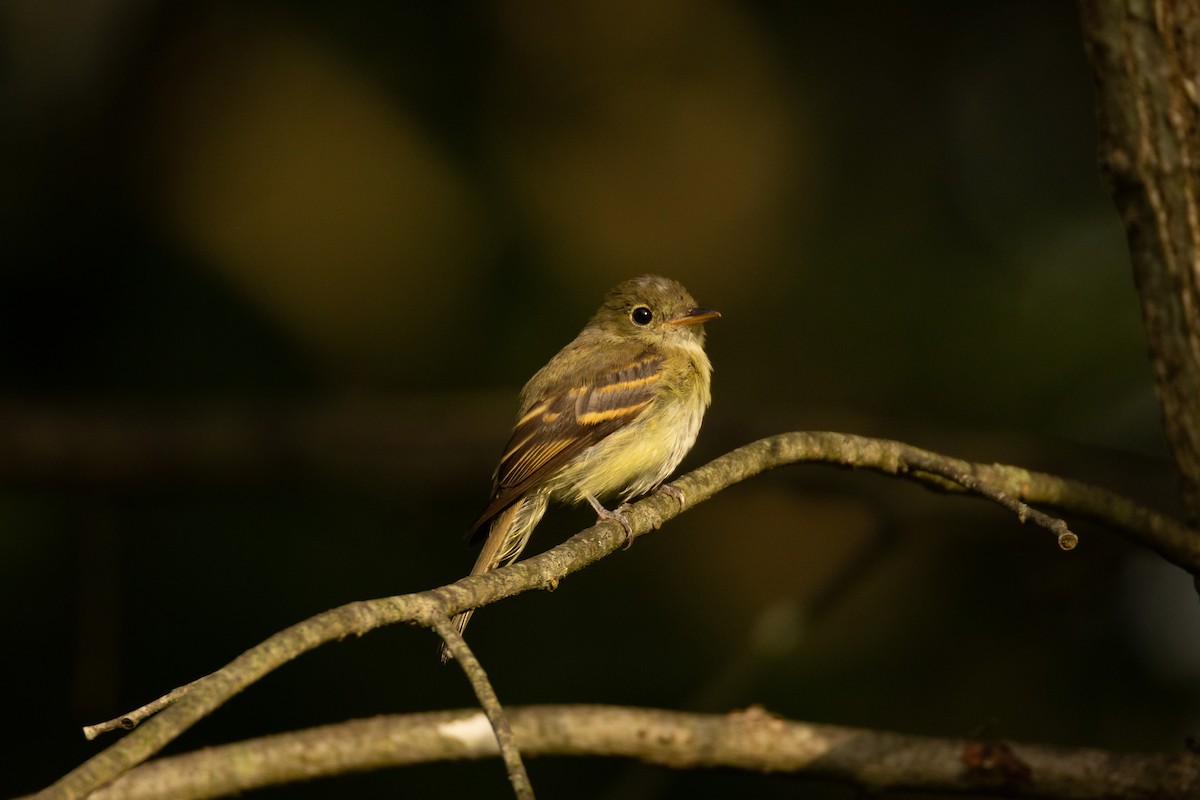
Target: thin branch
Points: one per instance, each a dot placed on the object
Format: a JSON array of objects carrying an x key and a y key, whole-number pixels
[
  {"x": 486, "y": 695},
  {"x": 127, "y": 722},
  {"x": 946, "y": 468},
  {"x": 1173, "y": 541},
  {"x": 751, "y": 740}
]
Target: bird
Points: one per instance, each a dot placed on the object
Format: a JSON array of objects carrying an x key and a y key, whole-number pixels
[{"x": 611, "y": 415}]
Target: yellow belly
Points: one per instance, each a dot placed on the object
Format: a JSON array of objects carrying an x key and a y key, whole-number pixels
[{"x": 638, "y": 457}]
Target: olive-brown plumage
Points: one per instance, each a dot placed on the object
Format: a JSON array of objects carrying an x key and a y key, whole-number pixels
[{"x": 610, "y": 416}]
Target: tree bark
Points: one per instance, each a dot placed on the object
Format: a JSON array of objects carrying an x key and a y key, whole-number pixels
[{"x": 1145, "y": 57}]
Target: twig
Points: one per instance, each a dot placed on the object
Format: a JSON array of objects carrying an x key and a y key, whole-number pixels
[
  {"x": 953, "y": 471},
  {"x": 128, "y": 722},
  {"x": 486, "y": 695},
  {"x": 751, "y": 740},
  {"x": 1175, "y": 542}
]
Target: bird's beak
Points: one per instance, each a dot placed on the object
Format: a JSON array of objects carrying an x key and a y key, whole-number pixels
[{"x": 693, "y": 316}]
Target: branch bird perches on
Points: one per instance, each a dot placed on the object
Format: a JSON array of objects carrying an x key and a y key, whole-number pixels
[{"x": 1012, "y": 487}]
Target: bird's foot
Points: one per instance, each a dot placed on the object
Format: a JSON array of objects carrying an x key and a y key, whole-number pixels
[
  {"x": 603, "y": 513},
  {"x": 674, "y": 491}
]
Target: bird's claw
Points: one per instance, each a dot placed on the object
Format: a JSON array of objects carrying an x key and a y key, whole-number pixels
[
  {"x": 674, "y": 491},
  {"x": 603, "y": 514}
]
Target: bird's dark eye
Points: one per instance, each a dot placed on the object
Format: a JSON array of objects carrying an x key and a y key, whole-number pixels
[{"x": 641, "y": 315}]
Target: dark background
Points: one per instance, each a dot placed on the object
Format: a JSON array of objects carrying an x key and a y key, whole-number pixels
[{"x": 271, "y": 276}]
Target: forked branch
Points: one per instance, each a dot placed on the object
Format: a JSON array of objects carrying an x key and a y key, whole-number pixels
[{"x": 1011, "y": 486}]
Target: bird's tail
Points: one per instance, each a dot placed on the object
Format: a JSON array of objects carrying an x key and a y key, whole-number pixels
[{"x": 508, "y": 533}]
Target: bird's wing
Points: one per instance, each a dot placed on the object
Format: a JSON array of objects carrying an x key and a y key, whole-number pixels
[{"x": 566, "y": 418}]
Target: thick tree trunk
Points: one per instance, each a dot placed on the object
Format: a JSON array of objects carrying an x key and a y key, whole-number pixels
[{"x": 1145, "y": 55}]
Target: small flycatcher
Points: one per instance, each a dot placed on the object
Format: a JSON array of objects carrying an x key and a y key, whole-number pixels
[{"x": 611, "y": 415}]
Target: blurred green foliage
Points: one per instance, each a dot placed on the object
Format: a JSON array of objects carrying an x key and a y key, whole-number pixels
[{"x": 238, "y": 208}]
